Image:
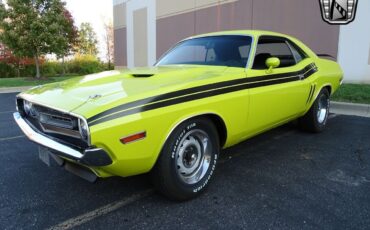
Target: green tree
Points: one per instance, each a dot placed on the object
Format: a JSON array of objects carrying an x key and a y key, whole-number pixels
[
  {"x": 34, "y": 28},
  {"x": 87, "y": 40},
  {"x": 69, "y": 39}
]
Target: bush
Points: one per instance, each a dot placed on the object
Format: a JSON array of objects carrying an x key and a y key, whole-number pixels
[
  {"x": 80, "y": 65},
  {"x": 105, "y": 66},
  {"x": 9, "y": 71},
  {"x": 51, "y": 69},
  {"x": 6, "y": 70},
  {"x": 28, "y": 71},
  {"x": 85, "y": 64}
]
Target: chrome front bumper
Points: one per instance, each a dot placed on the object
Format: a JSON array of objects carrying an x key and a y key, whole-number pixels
[{"x": 90, "y": 157}]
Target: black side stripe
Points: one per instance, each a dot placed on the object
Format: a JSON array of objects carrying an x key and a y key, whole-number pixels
[
  {"x": 310, "y": 72},
  {"x": 211, "y": 90},
  {"x": 313, "y": 92},
  {"x": 309, "y": 95},
  {"x": 193, "y": 97},
  {"x": 195, "y": 90}
]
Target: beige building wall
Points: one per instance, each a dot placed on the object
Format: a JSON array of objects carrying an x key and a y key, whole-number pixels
[
  {"x": 119, "y": 16},
  {"x": 167, "y": 8},
  {"x": 178, "y": 19},
  {"x": 140, "y": 37},
  {"x": 120, "y": 34}
]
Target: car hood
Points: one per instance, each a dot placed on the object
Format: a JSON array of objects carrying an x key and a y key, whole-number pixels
[{"x": 95, "y": 93}]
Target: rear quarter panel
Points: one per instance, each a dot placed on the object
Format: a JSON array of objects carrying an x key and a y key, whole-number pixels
[{"x": 329, "y": 74}]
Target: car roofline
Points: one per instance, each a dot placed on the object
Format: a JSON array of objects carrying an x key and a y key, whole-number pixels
[{"x": 254, "y": 33}]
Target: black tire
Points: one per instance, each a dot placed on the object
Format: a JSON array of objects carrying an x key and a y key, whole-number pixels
[
  {"x": 313, "y": 121},
  {"x": 187, "y": 140}
]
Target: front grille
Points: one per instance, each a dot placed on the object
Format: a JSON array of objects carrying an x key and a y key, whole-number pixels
[
  {"x": 54, "y": 124},
  {"x": 58, "y": 120}
]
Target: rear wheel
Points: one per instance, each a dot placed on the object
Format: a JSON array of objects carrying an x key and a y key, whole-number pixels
[
  {"x": 316, "y": 118},
  {"x": 188, "y": 160}
]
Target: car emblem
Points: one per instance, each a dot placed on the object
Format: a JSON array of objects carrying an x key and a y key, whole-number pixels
[
  {"x": 338, "y": 11},
  {"x": 95, "y": 96}
]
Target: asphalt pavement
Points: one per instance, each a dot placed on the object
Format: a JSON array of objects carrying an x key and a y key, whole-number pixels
[{"x": 283, "y": 179}]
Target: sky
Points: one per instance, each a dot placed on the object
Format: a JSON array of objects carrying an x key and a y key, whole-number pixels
[{"x": 94, "y": 12}]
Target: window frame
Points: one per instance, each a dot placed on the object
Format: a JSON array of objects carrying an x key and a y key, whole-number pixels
[
  {"x": 299, "y": 50},
  {"x": 290, "y": 44}
]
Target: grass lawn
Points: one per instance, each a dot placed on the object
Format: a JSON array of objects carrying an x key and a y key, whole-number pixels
[
  {"x": 16, "y": 82},
  {"x": 354, "y": 93}
]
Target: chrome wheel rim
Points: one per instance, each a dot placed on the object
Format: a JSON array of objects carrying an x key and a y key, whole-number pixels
[
  {"x": 193, "y": 157},
  {"x": 323, "y": 109}
]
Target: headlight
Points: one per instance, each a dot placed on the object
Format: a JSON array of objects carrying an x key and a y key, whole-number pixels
[
  {"x": 84, "y": 130},
  {"x": 29, "y": 109}
]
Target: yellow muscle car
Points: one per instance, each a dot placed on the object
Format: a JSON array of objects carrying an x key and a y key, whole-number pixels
[{"x": 207, "y": 93}]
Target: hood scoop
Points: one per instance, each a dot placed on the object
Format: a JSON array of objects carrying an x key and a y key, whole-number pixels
[{"x": 142, "y": 75}]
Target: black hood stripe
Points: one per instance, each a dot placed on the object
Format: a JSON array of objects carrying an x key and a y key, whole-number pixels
[{"x": 196, "y": 93}]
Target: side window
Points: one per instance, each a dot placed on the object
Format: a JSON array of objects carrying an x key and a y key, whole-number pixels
[
  {"x": 273, "y": 47},
  {"x": 244, "y": 51},
  {"x": 211, "y": 55},
  {"x": 192, "y": 54},
  {"x": 298, "y": 54}
]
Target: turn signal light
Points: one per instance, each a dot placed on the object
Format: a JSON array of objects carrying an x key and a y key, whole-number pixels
[{"x": 132, "y": 138}]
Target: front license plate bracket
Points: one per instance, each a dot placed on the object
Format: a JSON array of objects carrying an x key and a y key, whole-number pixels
[{"x": 44, "y": 155}]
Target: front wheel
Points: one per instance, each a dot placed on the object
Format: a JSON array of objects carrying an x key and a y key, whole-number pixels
[
  {"x": 188, "y": 160},
  {"x": 315, "y": 119}
]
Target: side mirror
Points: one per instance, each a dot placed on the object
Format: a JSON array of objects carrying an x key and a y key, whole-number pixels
[{"x": 271, "y": 63}]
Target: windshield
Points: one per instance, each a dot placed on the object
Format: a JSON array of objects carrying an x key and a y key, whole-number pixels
[{"x": 230, "y": 50}]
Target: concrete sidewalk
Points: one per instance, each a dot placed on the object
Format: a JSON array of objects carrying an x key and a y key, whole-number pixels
[
  {"x": 362, "y": 110},
  {"x": 14, "y": 89}
]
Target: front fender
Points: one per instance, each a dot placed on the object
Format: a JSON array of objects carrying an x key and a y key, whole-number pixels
[{"x": 140, "y": 156}]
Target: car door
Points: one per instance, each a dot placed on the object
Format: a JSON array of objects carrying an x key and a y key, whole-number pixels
[{"x": 279, "y": 94}]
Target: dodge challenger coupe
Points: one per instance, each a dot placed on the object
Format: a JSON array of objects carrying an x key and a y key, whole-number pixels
[{"x": 207, "y": 93}]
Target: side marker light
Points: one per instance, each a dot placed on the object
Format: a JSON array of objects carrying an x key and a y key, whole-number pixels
[{"x": 132, "y": 138}]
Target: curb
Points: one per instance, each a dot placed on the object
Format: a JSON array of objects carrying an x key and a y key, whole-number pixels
[
  {"x": 344, "y": 108},
  {"x": 14, "y": 89}
]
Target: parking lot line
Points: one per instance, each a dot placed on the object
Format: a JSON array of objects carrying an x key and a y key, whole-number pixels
[
  {"x": 11, "y": 138},
  {"x": 76, "y": 221}
]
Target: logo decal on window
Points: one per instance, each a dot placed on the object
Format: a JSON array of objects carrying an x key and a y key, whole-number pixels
[{"x": 338, "y": 11}]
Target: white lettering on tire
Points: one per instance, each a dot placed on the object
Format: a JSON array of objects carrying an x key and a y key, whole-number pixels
[{"x": 209, "y": 176}]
